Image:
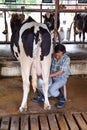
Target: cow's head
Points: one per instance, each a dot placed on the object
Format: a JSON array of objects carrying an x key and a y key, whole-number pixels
[
  {"x": 78, "y": 23},
  {"x": 49, "y": 20},
  {"x": 16, "y": 21}
]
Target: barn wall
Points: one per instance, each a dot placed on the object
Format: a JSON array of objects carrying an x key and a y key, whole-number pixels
[
  {"x": 78, "y": 67},
  {"x": 12, "y": 68}
]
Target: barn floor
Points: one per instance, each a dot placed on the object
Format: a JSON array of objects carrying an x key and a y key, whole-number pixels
[{"x": 11, "y": 95}]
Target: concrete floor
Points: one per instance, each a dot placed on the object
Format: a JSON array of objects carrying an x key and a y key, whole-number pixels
[{"x": 11, "y": 96}]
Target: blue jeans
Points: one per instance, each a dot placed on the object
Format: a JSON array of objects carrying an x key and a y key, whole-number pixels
[{"x": 53, "y": 87}]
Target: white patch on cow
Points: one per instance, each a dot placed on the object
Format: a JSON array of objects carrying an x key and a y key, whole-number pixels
[
  {"x": 78, "y": 30},
  {"x": 36, "y": 29},
  {"x": 32, "y": 24},
  {"x": 34, "y": 49},
  {"x": 26, "y": 63},
  {"x": 38, "y": 64},
  {"x": 47, "y": 15},
  {"x": 52, "y": 35}
]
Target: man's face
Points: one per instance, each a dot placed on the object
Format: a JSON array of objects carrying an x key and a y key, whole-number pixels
[{"x": 58, "y": 55}]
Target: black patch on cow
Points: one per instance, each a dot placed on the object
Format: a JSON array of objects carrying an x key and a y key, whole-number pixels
[
  {"x": 14, "y": 41},
  {"x": 16, "y": 24},
  {"x": 46, "y": 42},
  {"x": 36, "y": 37},
  {"x": 16, "y": 54},
  {"x": 27, "y": 39},
  {"x": 30, "y": 19}
]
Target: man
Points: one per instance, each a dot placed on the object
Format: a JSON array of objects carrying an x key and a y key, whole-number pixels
[{"x": 59, "y": 73}]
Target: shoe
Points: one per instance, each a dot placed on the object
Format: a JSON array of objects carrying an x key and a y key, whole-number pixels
[
  {"x": 61, "y": 100},
  {"x": 61, "y": 96},
  {"x": 39, "y": 93},
  {"x": 61, "y": 104},
  {"x": 38, "y": 99}
]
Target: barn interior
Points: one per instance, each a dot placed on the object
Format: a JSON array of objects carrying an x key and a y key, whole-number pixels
[{"x": 10, "y": 75}]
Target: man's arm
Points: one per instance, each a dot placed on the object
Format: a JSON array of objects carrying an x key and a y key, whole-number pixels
[{"x": 56, "y": 73}]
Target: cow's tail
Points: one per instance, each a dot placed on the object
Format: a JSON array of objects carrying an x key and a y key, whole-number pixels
[
  {"x": 36, "y": 67},
  {"x": 34, "y": 76},
  {"x": 33, "y": 69}
]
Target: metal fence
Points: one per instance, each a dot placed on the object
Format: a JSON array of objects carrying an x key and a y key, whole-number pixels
[{"x": 65, "y": 7}]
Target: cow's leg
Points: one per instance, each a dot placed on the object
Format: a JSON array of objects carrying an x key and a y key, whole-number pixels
[
  {"x": 80, "y": 36},
  {"x": 45, "y": 75},
  {"x": 25, "y": 69},
  {"x": 83, "y": 36}
]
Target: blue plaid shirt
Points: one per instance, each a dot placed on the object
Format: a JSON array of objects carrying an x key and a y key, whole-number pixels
[{"x": 62, "y": 64}]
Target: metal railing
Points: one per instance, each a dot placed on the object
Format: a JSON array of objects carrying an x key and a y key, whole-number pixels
[{"x": 26, "y": 8}]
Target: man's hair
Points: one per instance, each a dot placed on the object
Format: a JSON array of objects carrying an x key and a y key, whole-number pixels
[{"x": 59, "y": 47}]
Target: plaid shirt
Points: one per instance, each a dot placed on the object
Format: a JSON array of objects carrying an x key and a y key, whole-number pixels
[{"x": 62, "y": 64}]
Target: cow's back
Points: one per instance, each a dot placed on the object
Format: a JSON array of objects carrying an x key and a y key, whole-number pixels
[{"x": 32, "y": 34}]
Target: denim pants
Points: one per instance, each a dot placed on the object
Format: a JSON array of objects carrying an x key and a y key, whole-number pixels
[{"x": 53, "y": 87}]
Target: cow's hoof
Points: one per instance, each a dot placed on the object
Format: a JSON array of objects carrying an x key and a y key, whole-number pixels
[
  {"x": 21, "y": 109},
  {"x": 47, "y": 107}
]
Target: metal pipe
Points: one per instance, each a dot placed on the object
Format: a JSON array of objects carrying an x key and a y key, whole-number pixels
[
  {"x": 6, "y": 27},
  {"x": 43, "y": 10},
  {"x": 64, "y": 42}
]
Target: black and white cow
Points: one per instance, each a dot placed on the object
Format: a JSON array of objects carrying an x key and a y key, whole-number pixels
[
  {"x": 49, "y": 19},
  {"x": 80, "y": 25},
  {"x": 31, "y": 45}
]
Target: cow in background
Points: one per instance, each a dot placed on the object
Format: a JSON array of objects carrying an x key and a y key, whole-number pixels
[
  {"x": 31, "y": 41},
  {"x": 49, "y": 19},
  {"x": 80, "y": 25}
]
